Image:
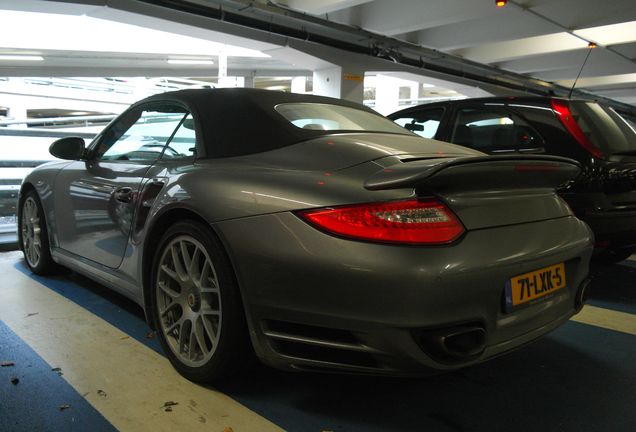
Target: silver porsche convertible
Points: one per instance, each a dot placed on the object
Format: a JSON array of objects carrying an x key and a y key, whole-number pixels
[{"x": 310, "y": 232}]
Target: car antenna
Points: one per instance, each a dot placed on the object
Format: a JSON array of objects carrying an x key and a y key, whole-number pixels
[{"x": 591, "y": 46}]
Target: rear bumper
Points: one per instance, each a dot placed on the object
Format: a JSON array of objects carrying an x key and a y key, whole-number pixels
[{"x": 315, "y": 301}]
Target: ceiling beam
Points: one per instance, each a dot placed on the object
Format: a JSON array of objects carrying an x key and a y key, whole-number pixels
[
  {"x": 558, "y": 61},
  {"x": 518, "y": 48},
  {"x": 506, "y": 24},
  {"x": 320, "y": 7},
  {"x": 602, "y": 81},
  {"x": 392, "y": 18}
]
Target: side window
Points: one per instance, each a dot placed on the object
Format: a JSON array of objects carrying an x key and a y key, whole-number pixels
[
  {"x": 424, "y": 123},
  {"x": 140, "y": 135},
  {"x": 183, "y": 143},
  {"x": 494, "y": 130}
]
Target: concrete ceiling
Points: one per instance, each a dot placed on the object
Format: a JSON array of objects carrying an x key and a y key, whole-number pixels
[{"x": 544, "y": 39}]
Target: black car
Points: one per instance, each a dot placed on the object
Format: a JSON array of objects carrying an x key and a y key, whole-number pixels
[{"x": 597, "y": 136}]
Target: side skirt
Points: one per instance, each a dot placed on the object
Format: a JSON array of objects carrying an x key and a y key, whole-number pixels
[{"x": 111, "y": 278}]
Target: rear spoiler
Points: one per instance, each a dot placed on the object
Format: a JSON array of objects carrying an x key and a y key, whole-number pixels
[{"x": 477, "y": 173}]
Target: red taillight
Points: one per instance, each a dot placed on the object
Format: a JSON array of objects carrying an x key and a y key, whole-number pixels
[
  {"x": 564, "y": 114},
  {"x": 408, "y": 222}
]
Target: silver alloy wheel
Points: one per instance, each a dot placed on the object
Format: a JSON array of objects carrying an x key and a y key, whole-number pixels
[
  {"x": 188, "y": 301},
  {"x": 31, "y": 239}
]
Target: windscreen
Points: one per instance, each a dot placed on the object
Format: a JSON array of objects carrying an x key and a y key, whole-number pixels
[
  {"x": 326, "y": 117},
  {"x": 605, "y": 128}
]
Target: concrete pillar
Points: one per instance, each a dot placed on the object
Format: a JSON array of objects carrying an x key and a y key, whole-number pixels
[
  {"x": 352, "y": 86},
  {"x": 340, "y": 82},
  {"x": 299, "y": 84},
  {"x": 17, "y": 110},
  {"x": 248, "y": 81},
  {"x": 387, "y": 93},
  {"x": 231, "y": 81},
  {"x": 222, "y": 65},
  {"x": 327, "y": 82}
]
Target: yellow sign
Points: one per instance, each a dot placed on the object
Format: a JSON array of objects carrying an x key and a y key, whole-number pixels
[{"x": 352, "y": 77}]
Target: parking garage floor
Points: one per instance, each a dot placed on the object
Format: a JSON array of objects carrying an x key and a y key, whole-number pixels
[{"x": 76, "y": 356}]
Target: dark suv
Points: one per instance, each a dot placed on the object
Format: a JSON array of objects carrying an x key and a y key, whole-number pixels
[{"x": 602, "y": 140}]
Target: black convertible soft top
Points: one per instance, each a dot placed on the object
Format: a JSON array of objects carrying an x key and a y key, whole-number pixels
[{"x": 240, "y": 121}]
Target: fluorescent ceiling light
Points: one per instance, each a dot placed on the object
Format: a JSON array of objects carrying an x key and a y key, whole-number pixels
[
  {"x": 21, "y": 57},
  {"x": 190, "y": 62},
  {"x": 84, "y": 33},
  {"x": 610, "y": 34}
]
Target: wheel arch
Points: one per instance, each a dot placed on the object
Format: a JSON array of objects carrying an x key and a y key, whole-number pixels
[
  {"x": 25, "y": 188},
  {"x": 152, "y": 238}
]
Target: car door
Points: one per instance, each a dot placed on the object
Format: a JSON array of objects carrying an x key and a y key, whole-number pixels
[{"x": 96, "y": 198}]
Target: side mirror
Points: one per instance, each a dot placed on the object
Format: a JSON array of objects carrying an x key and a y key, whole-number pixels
[{"x": 69, "y": 148}]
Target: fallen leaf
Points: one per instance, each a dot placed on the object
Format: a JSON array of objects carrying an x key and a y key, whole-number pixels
[
  {"x": 167, "y": 406},
  {"x": 102, "y": 393},
  {"x": 31, "y": 314},
  {"x": 58, "y": 370},
  {"x": 228, "y": 429},
  {"x": 124, "y": 337},
  {"x": 15, "y": 380},
  {"x": 7, "y": 364},
  {"x": 64, "y": 407},
  {"x": 150, "y": 335}
]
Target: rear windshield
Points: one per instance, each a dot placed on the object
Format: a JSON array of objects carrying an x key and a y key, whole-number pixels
[
  {"x": 605, "y": 128},
  {"x": 326, "y": 117}
]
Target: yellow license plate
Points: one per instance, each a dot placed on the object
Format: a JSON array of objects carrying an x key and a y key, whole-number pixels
[{"x": 530, "y": 286}]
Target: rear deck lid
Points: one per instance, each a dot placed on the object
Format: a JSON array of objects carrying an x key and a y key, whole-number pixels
[{"x": 485, "y": 191}]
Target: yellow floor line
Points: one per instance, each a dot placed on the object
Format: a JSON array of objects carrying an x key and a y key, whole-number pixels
[
  {"x": 606, "y": 318},
  {"x": 94, "y": 356}
]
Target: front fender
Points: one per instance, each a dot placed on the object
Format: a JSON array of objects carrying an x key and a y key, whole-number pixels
[{"x": 42, "y": 180}]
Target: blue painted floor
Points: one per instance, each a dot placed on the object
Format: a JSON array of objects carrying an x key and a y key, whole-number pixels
[
  {"x": 40, "y": 399},
  {"x": 579, "y": 378}
]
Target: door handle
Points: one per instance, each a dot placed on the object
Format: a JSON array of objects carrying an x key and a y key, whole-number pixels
[{"x": 124, "y": 194}]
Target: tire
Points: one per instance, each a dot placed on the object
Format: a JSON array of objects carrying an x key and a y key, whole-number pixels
[
  {"x": 614, "y": 256},
  {"x": 33, "y": 235},
  {"x": 196, "y": 308}
]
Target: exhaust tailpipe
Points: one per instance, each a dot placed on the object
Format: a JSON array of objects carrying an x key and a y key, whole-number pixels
[
  {"x": 582, "y": 294},
  {"x": 455, "y": 343}
]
